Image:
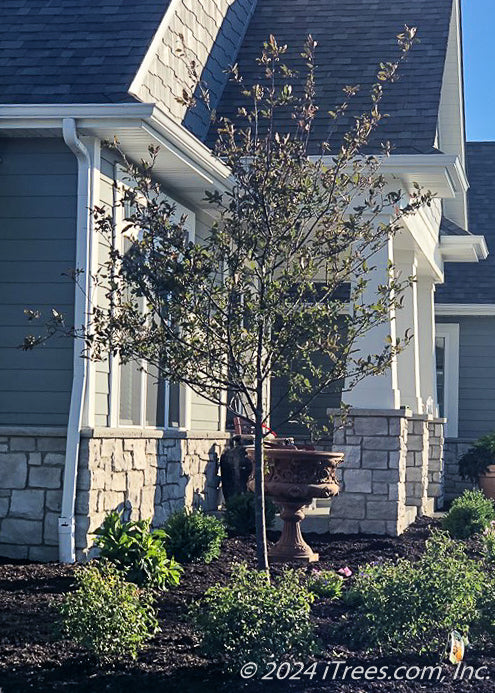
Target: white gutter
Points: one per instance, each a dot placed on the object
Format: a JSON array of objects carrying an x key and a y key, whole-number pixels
[{"x": 66, "y": 522}]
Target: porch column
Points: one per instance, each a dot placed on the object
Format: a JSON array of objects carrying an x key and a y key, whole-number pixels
[
  {"x": 428, "y": 384},
  {"x": 408, "y": 363},
  {"x": 377, "y": 391}
]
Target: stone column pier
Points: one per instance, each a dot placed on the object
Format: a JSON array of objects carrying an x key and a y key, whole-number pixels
[{"x": 373, "y": 475}]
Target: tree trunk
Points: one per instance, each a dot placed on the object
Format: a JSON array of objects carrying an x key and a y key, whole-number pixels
[{"x": 259, "y": 497}]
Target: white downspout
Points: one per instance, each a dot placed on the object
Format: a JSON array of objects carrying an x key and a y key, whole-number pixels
[{"x": 66, "y": 522}]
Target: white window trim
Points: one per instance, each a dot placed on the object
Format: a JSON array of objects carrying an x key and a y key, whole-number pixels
[
  {"x": 450, "y": 333},
  {"x": 185, "y": 396}
]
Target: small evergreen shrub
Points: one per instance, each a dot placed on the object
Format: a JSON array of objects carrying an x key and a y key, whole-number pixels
[
  {"x": 326, "y": 584},
  {"x": 107, "y": 615},
  {"x": 194, "y": 536},
  {"x": 411, "y": 607},
  {"x": 469, "y": 514},
  {"x": 251, "y": 620},
  {"x": 137, "y": 551},
  {"x": 240, "y": 513}
]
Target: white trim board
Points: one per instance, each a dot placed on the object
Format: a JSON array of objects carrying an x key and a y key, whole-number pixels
[
  {"x": 465, "y": 309},
  {"x": 450, "y": 332}
]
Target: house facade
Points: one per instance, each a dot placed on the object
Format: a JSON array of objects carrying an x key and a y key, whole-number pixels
[
  {"x": 465, "y": 331},
  {"x": 78, "y": 439}
]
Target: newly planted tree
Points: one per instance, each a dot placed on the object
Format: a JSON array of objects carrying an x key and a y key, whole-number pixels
[{"x": 281, "y": 275}]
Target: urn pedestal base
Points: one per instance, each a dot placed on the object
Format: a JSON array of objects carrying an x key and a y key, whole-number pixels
[
  {"x": 291, "y": 545},
  {"x": 294, "y": 477}
]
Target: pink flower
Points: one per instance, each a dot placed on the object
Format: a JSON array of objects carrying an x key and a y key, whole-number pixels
[{"x": 346, "y": 571}]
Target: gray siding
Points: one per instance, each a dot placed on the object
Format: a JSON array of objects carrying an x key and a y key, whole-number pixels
[
  {"x": 205, "y": 416},
  {"x": 102, "y": 368},
  {"x": 476, "y": 374},
  {"x": 37, "y": 244}
]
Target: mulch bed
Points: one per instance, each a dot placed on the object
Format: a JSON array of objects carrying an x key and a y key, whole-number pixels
[{"x": 33, "y": 658}]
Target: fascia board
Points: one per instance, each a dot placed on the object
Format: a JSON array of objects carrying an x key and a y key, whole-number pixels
[
  {"x": 26, "y": 113},
  {"x": 446, "y": 167}
]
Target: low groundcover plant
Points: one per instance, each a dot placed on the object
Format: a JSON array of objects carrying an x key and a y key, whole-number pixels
[{"x": 326, "y": 584}]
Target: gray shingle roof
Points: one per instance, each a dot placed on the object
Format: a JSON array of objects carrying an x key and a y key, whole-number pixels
[
  {"x": 450, "y": 228},
  {"x": 353, "y": 37},
  {"x": 73, "y": 51},
  {"x": 467, "y": 282}
]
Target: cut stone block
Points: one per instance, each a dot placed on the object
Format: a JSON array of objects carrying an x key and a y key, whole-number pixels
[
  {"x": 28, "y": 504},
  {"x": 22, "y": 532},
  {"x": 13, "y": 470}
]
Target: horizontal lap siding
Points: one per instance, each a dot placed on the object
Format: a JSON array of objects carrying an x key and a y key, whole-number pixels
[
  {"x": 205, "y": 415},
  {"x": 476, "y": 374},
  {"x": 102, "y": 380},
  {"x": 38, "y": 183}
]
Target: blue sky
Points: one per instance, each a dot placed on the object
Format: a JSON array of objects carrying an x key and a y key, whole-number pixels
[{"x": 478, "y": 17}]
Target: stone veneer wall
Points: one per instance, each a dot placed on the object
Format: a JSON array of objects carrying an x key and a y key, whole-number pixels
[
  {"x": 392, "y": 471},
  {"x": 436, "y": 462},
  {"x": 373, "y": 475},
  {"x": 150, "y": 473},
  {"x": 453, "y": 449},
  {"x": 417, "y": 463}
]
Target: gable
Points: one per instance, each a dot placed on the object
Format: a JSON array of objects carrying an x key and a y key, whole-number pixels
[{"x": 353, "y": 37}]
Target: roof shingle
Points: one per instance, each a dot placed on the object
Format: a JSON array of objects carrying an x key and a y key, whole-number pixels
[
  {"x": 475, "y": 282},
  {"x": 353, "y": 37},
  {"x": 74, "y": 51}
]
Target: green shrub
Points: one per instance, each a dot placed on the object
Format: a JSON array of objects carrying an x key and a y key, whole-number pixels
[
  {"x": 240, "y": 515},
  {"x": 250, "y": 620},
  {"x": 485, "y": 626},
  {"x": 325, "y": 583},
  {"x": 109, "y": 616},
  {"x": 194, "y": 536},
  {"x": 137, "y": 551},
  {"x": 412, "y": 607},
  {"x": 488, "y": 543},
  {"x": 469, "y": 514},
  {"x": 475, "y": 462}
]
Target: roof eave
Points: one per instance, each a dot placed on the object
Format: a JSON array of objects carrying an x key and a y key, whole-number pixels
[
  {"x": 184, "y": 163},
  {"x": 469, "y": 248}
]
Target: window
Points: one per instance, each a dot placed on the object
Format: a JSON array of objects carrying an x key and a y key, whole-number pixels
[
  {"x": 447, "y": 375},
  {"x": 140, "y": 397}
]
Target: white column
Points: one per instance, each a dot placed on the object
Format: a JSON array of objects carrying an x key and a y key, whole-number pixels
[
  {"x": 426, "y": 309},
  {"x": 408, "y": 363},
  {"x": 377, "y": 391}
]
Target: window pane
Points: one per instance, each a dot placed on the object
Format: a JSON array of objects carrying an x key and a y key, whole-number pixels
[
  {"x": 130, "y": 395},
  {"x": 173, "y": 411},
  {"x": 155, "y": 399},
  {"x": 440, "y": 361}
]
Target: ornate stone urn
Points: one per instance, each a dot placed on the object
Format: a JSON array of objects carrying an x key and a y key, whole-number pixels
[{"x": 293, "y": 479}]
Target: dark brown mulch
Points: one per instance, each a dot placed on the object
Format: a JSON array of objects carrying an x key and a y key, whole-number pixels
[{"x": 33, "y": 658}]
